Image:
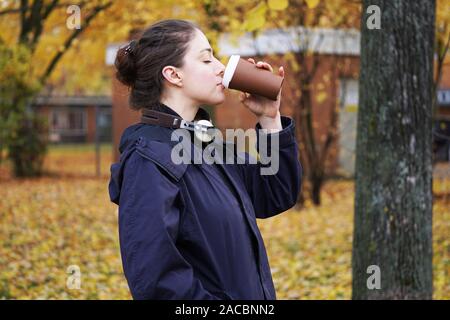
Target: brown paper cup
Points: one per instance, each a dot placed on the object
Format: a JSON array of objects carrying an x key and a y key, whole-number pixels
[{"x": 245, "y": 76}]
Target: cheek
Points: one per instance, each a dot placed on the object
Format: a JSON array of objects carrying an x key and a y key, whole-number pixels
[
  {"x": 203, "y": 73},
  {"x": 206, "y": 76},
  {"x": 201, "y": 80}
]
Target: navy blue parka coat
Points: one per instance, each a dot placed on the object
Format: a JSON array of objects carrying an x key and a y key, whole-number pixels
[{"x": 189, "y": 231}]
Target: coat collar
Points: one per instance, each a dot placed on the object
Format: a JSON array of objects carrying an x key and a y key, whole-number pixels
[
  {"x": 201, "y": 113},
  {"x": 155, "y": 142}
]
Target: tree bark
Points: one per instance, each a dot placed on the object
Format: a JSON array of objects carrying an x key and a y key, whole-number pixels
[{"x": 393, "y": 204}]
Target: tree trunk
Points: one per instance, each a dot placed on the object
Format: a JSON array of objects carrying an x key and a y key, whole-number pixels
[
  {"x": 316, "y": 187},
  {"x": 393, "y": 204}
]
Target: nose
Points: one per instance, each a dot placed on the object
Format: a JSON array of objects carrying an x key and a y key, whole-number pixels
[{"x": 221, "y": 69}]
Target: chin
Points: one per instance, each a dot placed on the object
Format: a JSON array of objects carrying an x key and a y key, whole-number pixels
[{"x": 218, "y": 100}]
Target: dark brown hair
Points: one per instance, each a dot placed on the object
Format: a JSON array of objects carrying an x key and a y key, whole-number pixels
[{"x": 140, "y": 63}]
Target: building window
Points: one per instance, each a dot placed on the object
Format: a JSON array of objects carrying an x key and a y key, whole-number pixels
[{"x": 68, "y": 124}]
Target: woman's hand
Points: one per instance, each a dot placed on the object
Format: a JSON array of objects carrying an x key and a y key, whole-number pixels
[{"x": 267, "y": 111}]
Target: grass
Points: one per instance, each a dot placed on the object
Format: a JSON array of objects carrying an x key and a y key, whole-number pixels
[
  {"x": 65, "y": 219},
  {"x": 79, "y": 147}
]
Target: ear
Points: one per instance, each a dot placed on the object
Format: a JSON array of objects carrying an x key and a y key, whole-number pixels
[{"x": 173, "y": 75}]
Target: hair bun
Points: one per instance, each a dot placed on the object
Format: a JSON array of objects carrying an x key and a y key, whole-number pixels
[
  {"x": 130, "y": 48},
  {"x": 126, "y": 64}
]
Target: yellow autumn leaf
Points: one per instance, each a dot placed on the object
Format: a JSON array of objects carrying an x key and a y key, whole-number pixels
[
  {"x": 278, "y": 4},
  {"x": 256, "y": 17},
  {"x": 321, "y": 97},
  {"x": 312, "y": 3}
]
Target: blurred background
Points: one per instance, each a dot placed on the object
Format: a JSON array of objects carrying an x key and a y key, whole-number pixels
[{"x": 62, "y": 113}]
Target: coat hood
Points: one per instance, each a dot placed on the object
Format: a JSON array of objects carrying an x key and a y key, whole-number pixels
[
  {"x": 117, "y": 168},
  {"x": 152, "y": 143}
]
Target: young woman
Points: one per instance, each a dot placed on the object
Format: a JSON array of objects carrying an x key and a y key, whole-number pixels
[{"x": 188, "y": 231}]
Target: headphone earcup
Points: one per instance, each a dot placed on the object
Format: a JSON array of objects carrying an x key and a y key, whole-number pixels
[{"x": 203, "y": 136}]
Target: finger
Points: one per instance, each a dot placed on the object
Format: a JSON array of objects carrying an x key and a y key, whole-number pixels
[
  {"x": 265, "y": 65},
  {"x": 281, "y": 71},
  {"x": 251, "y": 60},
  {"x": 268, "y": 66},
  {"x": 279, "y": 94}
]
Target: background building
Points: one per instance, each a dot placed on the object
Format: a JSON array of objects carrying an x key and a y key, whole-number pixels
[{"x": 76, "y": 118}]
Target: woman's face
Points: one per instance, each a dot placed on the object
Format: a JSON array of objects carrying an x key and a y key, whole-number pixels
[{"x": 202, "y": 72}]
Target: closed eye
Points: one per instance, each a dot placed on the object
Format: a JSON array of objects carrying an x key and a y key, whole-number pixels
[{"x": 207, "y": 61}]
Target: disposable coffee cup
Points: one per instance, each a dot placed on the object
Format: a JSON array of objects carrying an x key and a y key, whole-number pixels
[{"x": 245, "y": 76}]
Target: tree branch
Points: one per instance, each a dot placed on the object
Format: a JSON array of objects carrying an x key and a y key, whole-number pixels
[
  {"x": 36, "y": 23},
  {"x": 49, "y": 9},
  {"x": 95, "y": 11},
  {"x": 24, "y": 21},
  {"x": 26, "y": 7}
]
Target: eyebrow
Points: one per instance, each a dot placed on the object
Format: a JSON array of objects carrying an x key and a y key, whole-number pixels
[{"x": 207, "y": 49}]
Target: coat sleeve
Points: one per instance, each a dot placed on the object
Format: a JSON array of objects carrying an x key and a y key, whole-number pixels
[
  {"x": 149, "y": 219},
  {"x": 278, "y": 191}
]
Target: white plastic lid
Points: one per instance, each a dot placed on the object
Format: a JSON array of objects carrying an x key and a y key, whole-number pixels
[{"x": 229, "y": 70}]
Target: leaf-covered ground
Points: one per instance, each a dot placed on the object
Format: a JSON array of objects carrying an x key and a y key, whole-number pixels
[{"x": 65, "y": 219}]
